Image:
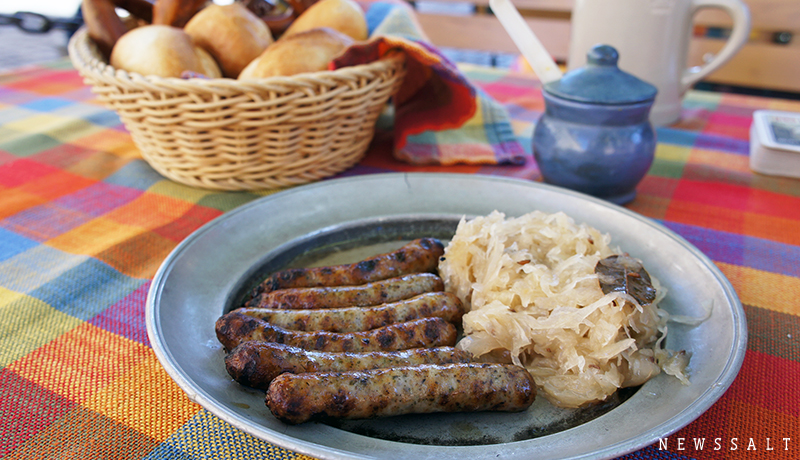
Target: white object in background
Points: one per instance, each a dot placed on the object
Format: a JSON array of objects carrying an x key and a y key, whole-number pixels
[
  {"x": 528, "y": 44},
  {"x": 49, "y": 8},
  {"x": 775, "y": 143},
  {"x": 652, "y": 38}
]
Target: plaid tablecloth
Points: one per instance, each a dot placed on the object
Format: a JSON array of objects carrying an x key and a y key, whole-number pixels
[{"x": 85, "y": 223}]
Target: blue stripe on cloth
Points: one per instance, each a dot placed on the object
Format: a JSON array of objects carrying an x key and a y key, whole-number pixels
[
  {"x": 387, "y": 18},
  {"x": 45, "y": 221},
  {"x": 676, "y": 136},
  {"x": 47, "y": 104},
  {"x": 426, "y": 138},
  {"x": 136, "y": 174},
  {"x": 519, "y": 113},
  {"x": 499, "y": 133},
  {"x": 92, "y": 113},
  {"x": 12, "y": 113},
  {"x": 86, "y": 289},
  {"x": 26, "y": 271},
  {"x": 99, "y": 198},
  {"x": 104, "y": 118},
  {"x": 12, "y": 244},
  {"x": 715, "y": 142},
  {"x": 166, "y": 451},
  {"x": 376, "y": 13},
  {"x": 222, "y": 441},
  {"x": 742, "y": 250},
  {"x": 703, "y": 141},
  {"x": 497, "y": 129}
]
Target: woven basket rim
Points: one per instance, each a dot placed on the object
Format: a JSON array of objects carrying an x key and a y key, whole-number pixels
[
  {"x": 201, "y": 132},
  {"x": 86, "y": 58}
]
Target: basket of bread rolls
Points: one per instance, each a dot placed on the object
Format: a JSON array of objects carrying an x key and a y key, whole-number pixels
[{"x": 236, "y": 96}]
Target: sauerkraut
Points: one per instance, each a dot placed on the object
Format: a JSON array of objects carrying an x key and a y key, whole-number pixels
[{"x": 533, "y": 298}]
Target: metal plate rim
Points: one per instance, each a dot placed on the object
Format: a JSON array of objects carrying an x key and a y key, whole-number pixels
[{"x": 287, "y": 438}]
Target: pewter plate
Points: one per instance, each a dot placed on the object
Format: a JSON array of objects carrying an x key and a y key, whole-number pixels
[{"x": 342, "y": 220}]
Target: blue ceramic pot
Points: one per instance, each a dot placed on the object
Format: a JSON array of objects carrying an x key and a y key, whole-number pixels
[{"x": 595, "y": 135}]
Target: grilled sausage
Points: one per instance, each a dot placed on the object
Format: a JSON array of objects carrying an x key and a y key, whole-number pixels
[
  {"x": 235, "y": 328},
  {"x": 418, "y": 256},
  {"x": 370, "y": 294},
  {"x": 256, "y": 364},
  {"x": 443, "y": 305},
  {"x": 297, "y": 398}
]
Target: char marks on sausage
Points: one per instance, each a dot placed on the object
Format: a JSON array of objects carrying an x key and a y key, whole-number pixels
[
  {"x": 256, "y": 364},
  {"x": 418, "y": 256},
  {"x": 443, "y": 305},
  {"x": 370, "y": 294},
  {"x": 427, "y": 388},
  {"x": 234, "y": 328}
]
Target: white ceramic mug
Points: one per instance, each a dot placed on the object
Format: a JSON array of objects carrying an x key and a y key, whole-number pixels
[{"x": 652, "y": 38}]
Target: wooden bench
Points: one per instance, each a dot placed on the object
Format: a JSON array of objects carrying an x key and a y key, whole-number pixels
[{"x": 762, "y": 63}]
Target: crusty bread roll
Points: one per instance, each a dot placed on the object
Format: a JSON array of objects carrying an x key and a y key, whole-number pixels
[
  {"x": 231, "y": 33},
  {"x": 164, "y": 51},
  {"x": 207, "y": 63},
  {"x": 308, "y": 51},
  {"x": 342, "y": 15}
]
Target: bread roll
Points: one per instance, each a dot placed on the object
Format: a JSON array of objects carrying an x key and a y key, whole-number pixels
[
  {"x": 161, "y": 50},
  {"x": 207, "y": 63},
  {"x": 232, "y": 34},
  {"x": 308, "y": 51},
  {"x": 342, "y": 15}
]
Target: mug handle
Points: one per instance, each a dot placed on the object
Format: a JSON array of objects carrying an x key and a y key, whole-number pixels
[{"x": 740, "y": 33}]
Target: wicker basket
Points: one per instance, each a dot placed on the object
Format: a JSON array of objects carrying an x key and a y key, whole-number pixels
[{"x": 225, "y": 134}]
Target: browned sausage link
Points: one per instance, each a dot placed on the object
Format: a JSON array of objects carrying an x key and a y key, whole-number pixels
[
  {"x": 379, "y": 292},
  {"x": 421, "y": 255},
  {"x": 255, "y": 364},
  {"x": 297, "y": 398},
  {"x": 443, "y": 305},
  {"x": 235, "y": 328}
]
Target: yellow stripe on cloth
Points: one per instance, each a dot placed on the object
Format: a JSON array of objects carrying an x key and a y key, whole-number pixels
[
  {"x": 28, "y": 323},
  {"x": 178, "y": 191},
  {"x": 145, "y": 399},
  {"x": 81, "y": 362},
  {"x": 62, "y": 129},
  {"x": 15, "y": 200},
  {"x": 771, "y": 291},
  {"x": 670, "y": 152},
  {"x": 110, "y": 141},
  {"x": 94, "y": 237}
]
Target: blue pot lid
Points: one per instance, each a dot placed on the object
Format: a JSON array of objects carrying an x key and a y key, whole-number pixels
[{"x": 601, "y": 81}]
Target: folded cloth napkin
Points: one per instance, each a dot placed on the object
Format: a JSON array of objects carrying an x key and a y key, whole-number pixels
[{"x": 440, "y": 117}]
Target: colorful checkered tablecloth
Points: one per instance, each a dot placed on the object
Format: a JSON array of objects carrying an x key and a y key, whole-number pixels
[{"x": 85, "y": 223}]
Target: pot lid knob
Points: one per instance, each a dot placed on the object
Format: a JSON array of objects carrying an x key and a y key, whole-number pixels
[{"x": 601, "y": 81}]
